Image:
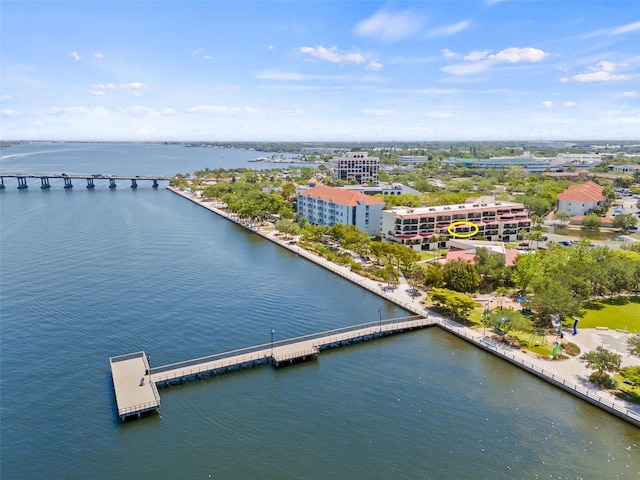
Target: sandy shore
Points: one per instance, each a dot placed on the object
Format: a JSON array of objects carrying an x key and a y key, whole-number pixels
[{"x": 571, "y": 370}]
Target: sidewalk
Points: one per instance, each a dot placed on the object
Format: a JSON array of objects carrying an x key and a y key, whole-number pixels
[{"x": 569, "y": 373}]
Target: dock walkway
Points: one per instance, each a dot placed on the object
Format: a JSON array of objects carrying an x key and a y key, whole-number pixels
[{"x": 136, "y": 385}]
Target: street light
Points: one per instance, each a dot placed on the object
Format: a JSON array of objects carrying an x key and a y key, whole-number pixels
[
  {"x": 271, "y": 332},
  {"x": 380, "y": 317}
]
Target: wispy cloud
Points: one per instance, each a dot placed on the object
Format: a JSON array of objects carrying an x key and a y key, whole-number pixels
[
  {"x": 220, "y": 110},
  {"x": 449, "y": 54},
  {"x": 448, "y": 30},
  {"x": 98, "y": 55},
  {"x": 333, "y": 55},
  {"x": 480, "y": 61},
  {"x": 621, "y": 30},
  {"x": 75, "y": 56},
  {"x": 8, "y": 112},
  {"x": 390, "y": 27},
  {"x": 135, "y": 89},
  {"x": 602, "y": 72},
  {"x": 375, "y": 112},
  {"x": 374, "y": 65}
]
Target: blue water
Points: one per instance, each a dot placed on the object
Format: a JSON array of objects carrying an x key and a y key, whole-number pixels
[{"x": 88, "y": 274}]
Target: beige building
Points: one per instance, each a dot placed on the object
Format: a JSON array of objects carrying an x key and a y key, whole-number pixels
[
  {"x": 358, "y": 166},
  {"x": 427, "y": 228}
]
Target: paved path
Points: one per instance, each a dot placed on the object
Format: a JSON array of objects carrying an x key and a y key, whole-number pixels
[{"x": 570, "y": 369}]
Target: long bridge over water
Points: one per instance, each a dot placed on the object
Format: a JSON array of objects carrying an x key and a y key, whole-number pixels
[
  {"x": 136, "y": 383},
  {"x": 68, "y": 179}
]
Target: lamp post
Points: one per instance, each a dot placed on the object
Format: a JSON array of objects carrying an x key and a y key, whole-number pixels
[
  {"x": 271, "y": 332},
  {"x": 380, "y": 318}
]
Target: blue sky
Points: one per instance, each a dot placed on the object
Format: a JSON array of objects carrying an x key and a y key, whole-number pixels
[{"x": 321, "y": 70}]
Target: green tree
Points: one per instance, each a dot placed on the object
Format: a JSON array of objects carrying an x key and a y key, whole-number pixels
[
  {"x": 601, "y": 360},
  {"x": 461, "y": 276},
  {"x": 553, "y": 297},
  {"x": 508, "y": 320},
  {"x": 625, "y": 221},
  {"x": 633, "y": 345},
  {"x": 592, "y": 221},
  {"x": 526, "y": 269},
  {"x": 562, "y": 216},
  {"x": 457, "y": 303}
]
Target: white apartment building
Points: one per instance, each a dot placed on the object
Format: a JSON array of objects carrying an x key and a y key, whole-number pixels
[
  {"x": 357, "y": 166},
  {"x": 426, "y": 228},
  {"x": 323, "y": 205}
]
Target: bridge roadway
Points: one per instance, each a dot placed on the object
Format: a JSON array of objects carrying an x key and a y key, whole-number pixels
[
  {"x": 44, "y": 179},
  {"x": 135, "y": 384}
]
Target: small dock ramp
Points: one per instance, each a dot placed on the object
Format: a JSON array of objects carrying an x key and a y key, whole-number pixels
[{"x": 135, "y": 392}]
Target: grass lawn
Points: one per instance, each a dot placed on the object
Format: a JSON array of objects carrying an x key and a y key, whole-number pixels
[{"x": 617, "y": 313}]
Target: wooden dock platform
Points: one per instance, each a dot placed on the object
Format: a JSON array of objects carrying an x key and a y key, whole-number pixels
[
  {"x": 135, "y": 393},
  {"x": 136, "y": 385}
]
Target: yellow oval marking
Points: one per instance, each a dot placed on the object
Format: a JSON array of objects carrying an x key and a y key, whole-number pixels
[{"x": 463, "y": 235}]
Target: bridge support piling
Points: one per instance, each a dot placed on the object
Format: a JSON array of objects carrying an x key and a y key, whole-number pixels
[
  {"x": 22, "y": 183},
  {"x": 67, "y": 183},
  {"x": 134, "y": 184},
  {"x": 90, "y": 183},
  {"x": 44, "y": 183},
  {"x": 1, "y": 183},
  {"x": 155, "y": 184},
  {"x": 112, "y": 183}
]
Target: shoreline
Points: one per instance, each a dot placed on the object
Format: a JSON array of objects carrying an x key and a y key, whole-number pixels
[{"x": 557, "y": 373}]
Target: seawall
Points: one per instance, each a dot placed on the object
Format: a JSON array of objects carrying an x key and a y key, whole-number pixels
[{"x": 603, "y": 400}]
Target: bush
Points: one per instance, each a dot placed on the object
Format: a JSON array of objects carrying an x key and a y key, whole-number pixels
[{"x": 571, "y": 349}]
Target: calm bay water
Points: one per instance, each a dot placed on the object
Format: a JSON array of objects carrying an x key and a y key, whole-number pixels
[{"x": 85, "y": 275}]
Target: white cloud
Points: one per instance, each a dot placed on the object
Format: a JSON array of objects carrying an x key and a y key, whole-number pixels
[
  {"x": 449, "y": 30},
  {"x": 547, "y": 103},
  {"x": 516, "y": 55},
  {"x": 219, "y": 110},
  {"x": 75, "y": 56},
  {"x": 333, "y": 55},
  {"x": 375, "y": 112},
  {"x": 627, "y": 95},
  {"x": 140, "y": 111},
  {"x": 135, "y": 89},
  {"x": 602, "y": 72},
  {"x": 80, "y": 110},
  {"x": 467, "y": 68},
  {"x": 568, "y": 104},
  {"x": 440, "y": 114},
  {"x": 475, "y": 56},
  {"x": 6, "y": 98},
  {"x": 621, "y": 30},
  {"x": 480, "y": 61},
  {"x": 169, "y": 112},
  {"x": 98, "y": 55},
  {"x": 374, "y": 65},
  {"x": 7, "y": 112},
  {"x": 291, "y": 112},
  {"x": 276, "y": 75},
  {"x": 449, "y": 54},
  {"x": 390, "y": 27}
]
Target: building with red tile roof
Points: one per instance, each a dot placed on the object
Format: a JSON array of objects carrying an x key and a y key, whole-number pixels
[
  {"x": 323, "y": 205},
  {"x": 579, "y": 199}
]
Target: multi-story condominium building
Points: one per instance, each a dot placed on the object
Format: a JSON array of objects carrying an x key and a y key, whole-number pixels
[
  {"x": 357, "y": 166},
  {"x": 426, "y": 228},
  {"x": 323, "y": 205}
]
